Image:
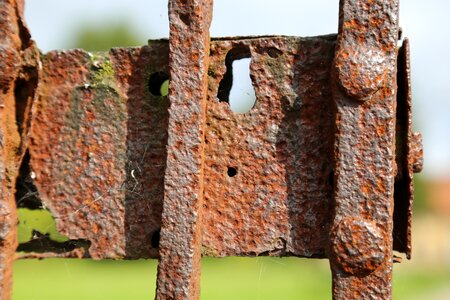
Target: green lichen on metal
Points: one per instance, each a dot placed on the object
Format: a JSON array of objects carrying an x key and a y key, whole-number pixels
[
  {"x": 102, "y": 69},
  {"x": 106, "y": 104},
  {"x": 102, "y": 86},
  {"x": 277, "y": 68}
]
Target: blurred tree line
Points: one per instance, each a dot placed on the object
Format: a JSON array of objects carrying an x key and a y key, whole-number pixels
[{"x": 93, "y": 37}]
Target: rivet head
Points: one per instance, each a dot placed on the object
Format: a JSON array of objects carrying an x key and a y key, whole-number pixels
[
  {"x": 361, "y": 70},
  {"x": 358, "y": 247}
]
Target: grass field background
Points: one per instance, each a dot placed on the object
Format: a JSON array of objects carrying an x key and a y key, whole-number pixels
[
  {"x": 263, "y": 278},
  {"x": 425, "y": 277}
]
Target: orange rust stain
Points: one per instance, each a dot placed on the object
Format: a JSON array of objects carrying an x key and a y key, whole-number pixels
[
  {"x": 195, "y": 56},
  {"x": 355, "y": 25},
  {"x": 365, "y": 189},
  {"x": 351, "y": 23},
  {"x": 179, "y": 144},
  {"x": 343, "y": 54},
  {"x": 381, "y": 130},
  {"x": 376, "y": 22},
  {"x": 90, "y": 117},
  {"x": 361, "y": 39},
  {"x": 178, "y": 127},
  {"x": 95, "y": 228},
  {"x": 381, "y": 186},
  {"x": 97, "y": 207},
  {"x": 94, "y": 205}
]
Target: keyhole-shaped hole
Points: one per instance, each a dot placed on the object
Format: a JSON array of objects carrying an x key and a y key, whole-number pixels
[
  {"x": 242, "y": 94},
  {"x": 236, "y": 86}
]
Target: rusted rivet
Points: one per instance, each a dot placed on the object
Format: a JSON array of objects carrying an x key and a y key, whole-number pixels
[
  {"x": 416, "y": 152},
  {"x": 357, "y": 246},
  {"x": 360, "y": 71}
]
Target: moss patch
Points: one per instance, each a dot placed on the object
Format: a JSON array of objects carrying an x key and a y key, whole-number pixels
[{"x": 102, "y": 70}]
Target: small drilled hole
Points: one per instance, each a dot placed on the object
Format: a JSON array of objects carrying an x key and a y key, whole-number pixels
[
  {"x": 231, "y": 171},
  {"x": 158, "y": 84},
  {"x": 155, "y": 239}
]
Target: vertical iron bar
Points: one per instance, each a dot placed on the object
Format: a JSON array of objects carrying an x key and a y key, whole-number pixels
[
  {"x": 180, "y": 245},
  {"x": 364, "y": 90},
  {"x": 14, "y": 39}
]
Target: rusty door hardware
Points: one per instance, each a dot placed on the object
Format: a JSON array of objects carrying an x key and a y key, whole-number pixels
[{"x": 320, "y": 167}]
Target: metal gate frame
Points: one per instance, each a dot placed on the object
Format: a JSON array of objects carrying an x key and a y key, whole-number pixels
[{"x": 320, "y": 167}]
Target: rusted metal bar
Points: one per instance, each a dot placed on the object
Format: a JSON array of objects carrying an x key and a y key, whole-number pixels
[
  {"x": 181, "y": 225},
  {"x": 365, "y": 94},
  {"x": 409, "y": 155},
  {"x": 18, "y": 75},
  {"x": 290, "y": 184},
  {"x": 322, "y": 164}
]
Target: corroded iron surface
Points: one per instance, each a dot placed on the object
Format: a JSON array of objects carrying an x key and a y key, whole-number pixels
[
  {"x": 278, "y": 202},
  {"x": 99, "y": 140},
  {"x": 18, "y": 75},
  {"x": 181, "y": 226},
  {"x": 364, "y": 69},
  {"x": 98, "y": 147},
  {"x": 321, "y": 166},
  {"x": 272, "y": 147},
  {"x": 409, "y": 155},
  {"x": 366, "y": 45}
]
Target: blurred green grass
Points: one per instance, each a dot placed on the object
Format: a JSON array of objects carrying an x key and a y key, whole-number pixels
[{"x": 262, "y": 278}]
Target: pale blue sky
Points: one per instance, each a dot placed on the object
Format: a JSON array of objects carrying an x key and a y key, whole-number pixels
[{"x": 426, "y": 23}]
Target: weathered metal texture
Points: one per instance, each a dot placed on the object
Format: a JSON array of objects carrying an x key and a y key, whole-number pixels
[
  {"x": 91, "y": 135},
  {"x": 409, "y": 155},
  {"x": 98, "y": 148},
  {"x": 98, "y": 163},
  {"x": 181, "y": 225},
  {"x": 364, "y": 90},
  {"x": 18, "y": 73},
  {"x": 366, "y": 45},
  {"x": 278, "y": 203},
  {"x": 297, "y": 192}
]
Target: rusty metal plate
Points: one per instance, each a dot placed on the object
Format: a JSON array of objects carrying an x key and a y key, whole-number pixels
[
  {"x": 279, "y": 201},
  {"x": 308, "y": 171},
  {"x": 98, "y": 149},
  {"x": 409, "y": 155}
]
